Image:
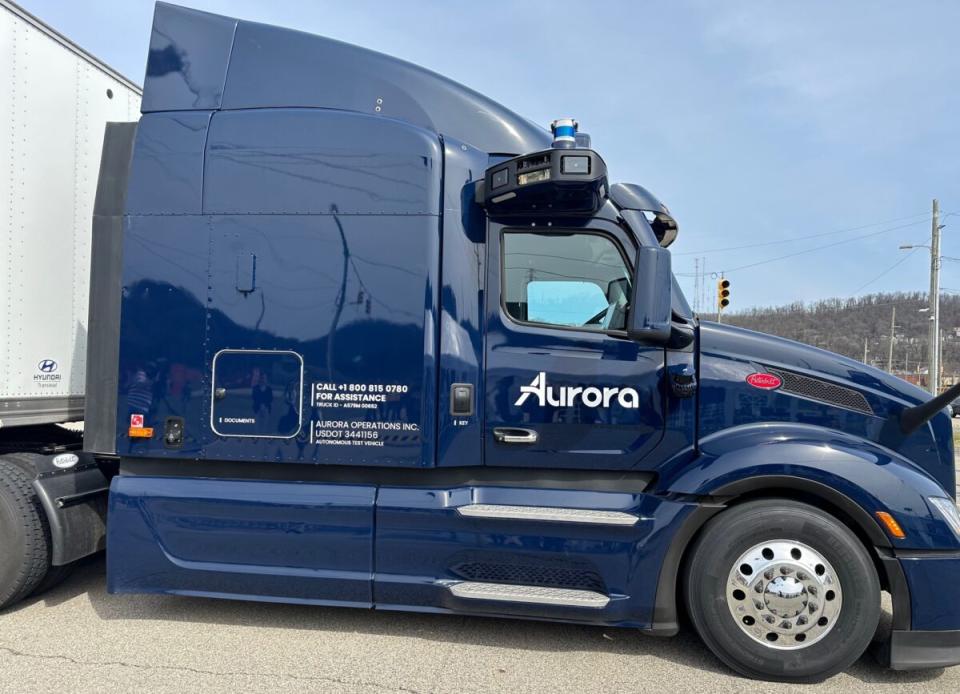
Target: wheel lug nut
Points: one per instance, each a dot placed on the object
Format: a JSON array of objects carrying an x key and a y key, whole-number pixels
[
  {"x": 785, "y": 570},
  {"x": 802, "y": 576},
  {"x": 813, "y": 607},
  {"x": 812, "y": 590},
  {"x": 768, "y": 574},
  {"x": 758, "y": 604},
  {"x": 786, "y": 625},
  {"x": 801, "y": 620}
]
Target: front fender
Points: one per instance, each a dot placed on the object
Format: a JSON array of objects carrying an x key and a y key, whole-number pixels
[{"x": 870, "y": 476}]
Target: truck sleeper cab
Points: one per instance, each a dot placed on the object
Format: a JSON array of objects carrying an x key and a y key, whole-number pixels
[{"x": 380, "y": 342}]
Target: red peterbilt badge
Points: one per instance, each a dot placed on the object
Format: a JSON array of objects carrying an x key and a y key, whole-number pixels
[{"x": 764, "y": 381}]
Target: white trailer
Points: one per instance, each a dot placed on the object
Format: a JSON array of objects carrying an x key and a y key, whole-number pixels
[{"x": 55, "y": 99}]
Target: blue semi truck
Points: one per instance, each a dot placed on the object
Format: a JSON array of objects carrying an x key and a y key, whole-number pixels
[{"x": 361, "y": 336}]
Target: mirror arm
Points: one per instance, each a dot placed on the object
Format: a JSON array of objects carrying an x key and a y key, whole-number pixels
[{"x": 681, "y": 335}]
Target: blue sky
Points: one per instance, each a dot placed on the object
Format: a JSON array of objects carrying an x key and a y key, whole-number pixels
[{"x": 755, "y": 122}]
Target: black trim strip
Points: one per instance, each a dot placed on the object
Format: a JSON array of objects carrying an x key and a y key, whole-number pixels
[
  {"x": 899, "y": 592},
  {"x": 772, "y": 483},
  {"x": 927, "y": 553},
  {"x": 441, "y": 477},
  {"x": 665, "y": 620},
  {"x": 106, "y": 269}
]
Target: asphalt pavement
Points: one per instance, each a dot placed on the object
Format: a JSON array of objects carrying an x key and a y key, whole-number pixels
[{"x": 79, "y": 639}]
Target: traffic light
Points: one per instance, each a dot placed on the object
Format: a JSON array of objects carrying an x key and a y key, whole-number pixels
[{"x": 723, "y": 293}]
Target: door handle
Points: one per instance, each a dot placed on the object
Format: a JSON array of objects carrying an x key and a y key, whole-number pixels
[{"x": 514, "y": 435}]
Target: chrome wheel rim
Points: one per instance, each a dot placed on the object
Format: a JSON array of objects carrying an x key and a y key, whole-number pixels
[{"x": 784, "y": 594}]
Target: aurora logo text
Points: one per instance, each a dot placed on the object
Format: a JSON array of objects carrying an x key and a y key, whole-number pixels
[{"x": 567, "y": 396}]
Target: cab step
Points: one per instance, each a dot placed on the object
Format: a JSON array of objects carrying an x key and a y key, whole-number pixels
[
  {"x": 536, "y": 595},
  {"x": 553, "y": 514}
]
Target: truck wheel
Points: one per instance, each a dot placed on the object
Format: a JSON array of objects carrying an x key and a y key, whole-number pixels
[
  {"x": 779, "y": 590},
  {"x": 23, "y": 536}
]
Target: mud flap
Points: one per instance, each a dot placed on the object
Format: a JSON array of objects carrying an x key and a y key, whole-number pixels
[{"x": 75, "y": 501}]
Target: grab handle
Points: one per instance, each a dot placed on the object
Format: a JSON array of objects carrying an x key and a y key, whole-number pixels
[{"x": 514, "y": 435}]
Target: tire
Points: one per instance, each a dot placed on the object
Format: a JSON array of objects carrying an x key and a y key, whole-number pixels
[
  {"x": 821, "y": 622},
  {"x": 23, "y": 536},
  {"x": 55, "y": 576}
]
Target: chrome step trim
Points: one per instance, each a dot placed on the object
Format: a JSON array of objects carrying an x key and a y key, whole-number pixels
[
  {"x": 538, "y": 595},
  {"x": 548, "y": 513}
]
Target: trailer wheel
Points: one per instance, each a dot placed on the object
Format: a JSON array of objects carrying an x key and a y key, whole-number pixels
[
  {"x": 24, "y": 560},
  {"x": 779, "y": 590}
]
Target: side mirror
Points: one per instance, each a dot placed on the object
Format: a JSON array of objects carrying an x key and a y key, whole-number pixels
[{"x": 651, "y": 305}]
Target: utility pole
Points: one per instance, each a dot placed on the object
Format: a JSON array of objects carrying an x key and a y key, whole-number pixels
[
  {"x": 940, "y": 360},
  {"x": 696, "y": 285},
  {"x": 934, "y": 351},
  {"x": 702, "y": 294},
  {"x": 703, "y": 284},
  {"x": 893, "y": 327},
  {"x": 864, "y": 350}
]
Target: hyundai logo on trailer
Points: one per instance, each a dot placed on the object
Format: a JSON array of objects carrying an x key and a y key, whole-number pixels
[
  {"x": 564, "y": 133},
  {"x": 47, "y": 366}
]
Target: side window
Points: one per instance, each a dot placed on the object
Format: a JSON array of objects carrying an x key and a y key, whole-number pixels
[{"x": 574, "y": 280}]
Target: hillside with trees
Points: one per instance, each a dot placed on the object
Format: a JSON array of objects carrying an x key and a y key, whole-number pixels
[{"x": 847, "y": 326}]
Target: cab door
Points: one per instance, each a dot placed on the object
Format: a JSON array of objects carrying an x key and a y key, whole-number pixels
[{"x": 565, "y": 387}]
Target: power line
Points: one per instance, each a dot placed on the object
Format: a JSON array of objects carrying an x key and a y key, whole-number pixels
[
  {"x": 889, "y": 269},
  {"x": 809, "y": 236},
  {"x": 816, "y": 248}
]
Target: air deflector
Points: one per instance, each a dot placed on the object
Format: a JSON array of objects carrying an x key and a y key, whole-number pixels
[{"x": 201, "y": 61}]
